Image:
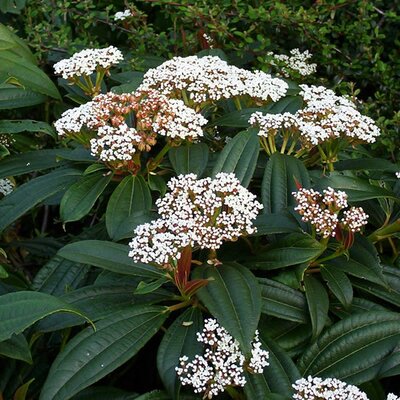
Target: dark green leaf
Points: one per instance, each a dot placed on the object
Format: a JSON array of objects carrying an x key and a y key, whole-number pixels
[
  {"x": 17, "y": 126},
  {"x": 90, "y": 355},
  {"x": 239, "y": 156},
  {"x": 104, "y": 393},
  {"x": 279, "y": 182},
  {"x": 339, "y": 284},
  {"x": 20, "y": 310},
  {"x": 129, "y": 205},
  {"x": 108, "y": 255},
  {"x": 180, "y": 339},
  {"x": 79, "y": 199},
  {"x": 16, "y": 348},
  {"x": 318, "y": 304},
  {"x": 293, "y": 249},
  {"x": 233, "y": 297},
  {"x": 369, "y": 164},
  {"x": 363, "y": 262},
  {"x": 31, "y": 161},
  {"x": 282, "y": 301},
  {"x": 32, "y": 193},
  {"x": 190, "y": 158},
  {"x": 268, "y": 224},
  {"x": 28, "y": 74},
  {"x": 354, "y": 349},
  {"x": 58, "y": 276},
  {"x": 357, "y": 189},
  {"x": 12, "y": 96},
  {"x": 278, "y": 377}
]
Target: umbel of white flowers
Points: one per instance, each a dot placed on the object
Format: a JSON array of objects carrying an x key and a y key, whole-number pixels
[
  {"x": 222, "y": 364},
  {"x": 315, "y": 388},
  {"x": 201, "y": 213}
]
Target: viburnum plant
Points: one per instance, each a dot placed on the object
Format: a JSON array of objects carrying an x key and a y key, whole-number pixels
[{"x": 222, "y": 233}]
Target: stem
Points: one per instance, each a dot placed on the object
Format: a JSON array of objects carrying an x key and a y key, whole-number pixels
[
  {"x": 264, "y": 145},
  {"x": 179, "y": 305},
  {"x": 233, "y": 393},
  {"x": 156, "y": 161},
  {"x": 271, "y": 142},
  {"x": 284, "y": 143},
  {"x": 385, "y": 232},
  {"x": 237, "y": 103},
  {"x": 185, "y": 98}
]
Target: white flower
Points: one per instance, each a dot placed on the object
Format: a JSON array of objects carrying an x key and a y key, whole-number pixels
[
  {"x": 297, "y": 61},
  {"x": 210, "y": 78},
  {"x": 197, "y": 212},
  {"x": 322, "y": 211},
  {"x": 398, "y": 175},
  {"x": 314, "y": 388},
  {"x": 121, "y": 15},
  {"x": 392, "y": 396},
  {"x": 87, "y": 61},
  {"x": 222, "y": 364},
  {"x": 6, "y": 186},
  {"x": 325, "y": 117}
]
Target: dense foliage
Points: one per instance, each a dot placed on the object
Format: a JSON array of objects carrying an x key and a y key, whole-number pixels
[{"x": 195, "y": 227}]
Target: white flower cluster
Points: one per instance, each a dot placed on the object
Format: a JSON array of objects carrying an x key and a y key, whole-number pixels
[
  {"x": 106, "y": 115},
  {"x": 325, "y": 117},
  {"x": 322, "y": 210},
  {"x": 177, "y": 121},
  {"x": 115, "y": 144},
  {"x": 314, "y": 388},
  {"x": 222, "y": 364},
  {"x": 88, "y": 61},
  {"x": 76, "y": 119},
  {"x": 6, "y": 186},
  {"x": 398, "y": 175},
  {"x": 297, "y": 61},
  {"x": 121, "y": 15},
  {"x": 6, "y": 140},
  {"x": 198, "y": 212},
  {"x": 210, "y": 78},
  {"x": 392, "y": 396}
]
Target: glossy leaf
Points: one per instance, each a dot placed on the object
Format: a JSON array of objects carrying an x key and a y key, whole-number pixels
[
  {"x": 12, "y": 96},
  {"x": 277, "y": 378},
  {"x": 95, "y": 301},
  {"x": 354, "y": 349},
  {"x": 90, "y": 355},
  {"x": 339, "y": 284},
  {"x": 318, "y": 303},
  {"x": 233, "y": 297},
  {"x": 129, "y": 205},
  {"x": 190, "y": 158},
  {"x": 239, "y": 156},
  {"x": 180, "y": 339},
  {"x": 30, "y": 161},
  {"x": 104, "y": 393},
  {"x": 363, "y": 262},
  {"x": 27, "y": 125},
  {"x": 108, "y": 255},
  {"x": 268, "y": 224},
  {"x": 79, "y": 199},
  {"x": 357, "y": 189},
  {"x": 293, "y": 249},
  {"x": 16, "y": 348},
  {"x": 22, "y": 309},
  {"x": 279, "y": 182},
  {"x": 282, "y": 301},
  {"x": 58, "y": 276},
  {"x": 30, "y": 194},
  {"x": 27, "y": 73}
]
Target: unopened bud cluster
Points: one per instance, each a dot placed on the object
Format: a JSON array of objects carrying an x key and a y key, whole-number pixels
[
  {"x": 297, "y": 61},
  {"x": 222, "y": 364},
  {"x": 198, "y": 212},
  {"x": 322, "y": 211},
  {"x": 88, "y": 61}
]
